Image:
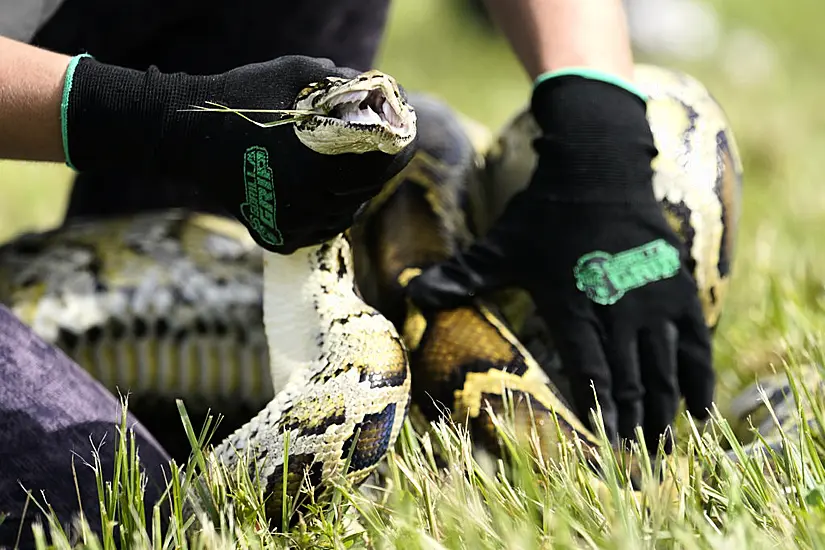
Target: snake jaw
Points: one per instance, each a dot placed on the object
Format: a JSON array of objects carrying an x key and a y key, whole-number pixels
[
  {"x": 368, "y": 108},
  {"x": 367, "y": 113}
]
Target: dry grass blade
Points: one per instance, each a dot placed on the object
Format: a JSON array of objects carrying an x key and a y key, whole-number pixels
[{"x": 297, "y": 114}]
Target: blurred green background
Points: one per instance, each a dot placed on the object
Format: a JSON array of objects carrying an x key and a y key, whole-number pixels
[{"x": 762, "y": 60}]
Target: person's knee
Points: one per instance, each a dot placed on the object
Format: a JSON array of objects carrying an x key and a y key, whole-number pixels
[{"x": 54, "y": 420}]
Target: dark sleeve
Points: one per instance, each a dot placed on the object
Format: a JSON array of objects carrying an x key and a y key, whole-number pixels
[
  {"x": 52, "y": 412},
  {"x": 20, "y": 19}
]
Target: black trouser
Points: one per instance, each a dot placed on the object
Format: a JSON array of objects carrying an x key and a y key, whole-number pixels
[{"x": 201, "y": 37}]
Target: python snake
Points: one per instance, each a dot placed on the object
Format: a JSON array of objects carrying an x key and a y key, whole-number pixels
[
  {"x": 462, "y": 358},
  {"x": 322, "y": 343}
]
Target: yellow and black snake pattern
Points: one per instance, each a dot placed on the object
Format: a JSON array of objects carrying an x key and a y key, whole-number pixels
[
  {"x": 322, "y": 344},
  {"x": 463, "y": 358}
]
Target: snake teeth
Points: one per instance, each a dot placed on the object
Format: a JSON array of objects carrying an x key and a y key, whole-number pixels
[
  {"x": 391, "y": 116},
  {"x": 352, "y": 112},
  {"x": 366, "y": 107},
  {"x": 367, "y": 113},
  {"x": 350, "y": 97}
]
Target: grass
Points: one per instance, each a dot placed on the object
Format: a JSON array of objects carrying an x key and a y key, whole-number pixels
[
  {"x": 435, "y": 491},
  {"x": 775, "y": 311}
]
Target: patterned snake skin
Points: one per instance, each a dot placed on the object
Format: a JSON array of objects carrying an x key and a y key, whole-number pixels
[{"x": 322, "y": 344}]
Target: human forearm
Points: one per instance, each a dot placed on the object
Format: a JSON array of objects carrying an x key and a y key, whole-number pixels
[
  {"x": 548, "y": 35},
  {"x": 31, "y": 88}
]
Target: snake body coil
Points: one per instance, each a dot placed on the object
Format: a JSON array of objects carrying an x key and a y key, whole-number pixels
[
  {"x": 348, "y": 387},
  {"x": 465, "y": 358},
  {"x": 177, "y": 304}
]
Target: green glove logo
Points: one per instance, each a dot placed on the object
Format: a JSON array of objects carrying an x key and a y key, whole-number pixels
[
  {"x": 605, "y": 278},
  {"x": 259, "y": 208}
]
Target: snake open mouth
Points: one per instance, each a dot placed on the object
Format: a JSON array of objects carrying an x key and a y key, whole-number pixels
[
  {"x": 361, "y": 114},
  {"x": 365, "y": 108},
  {"x": 336, "y": 115}
]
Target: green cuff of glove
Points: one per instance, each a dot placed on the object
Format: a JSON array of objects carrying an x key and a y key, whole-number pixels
[
  {"x": 64, "y": 105},
  {"x": 592, "y": 74}
]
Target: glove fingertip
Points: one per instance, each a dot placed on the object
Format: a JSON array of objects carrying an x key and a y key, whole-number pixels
[
  {"x": 433, "y": 289},
  {"x": 697, "y": 376},
  {"x": 697, "y": 380}
]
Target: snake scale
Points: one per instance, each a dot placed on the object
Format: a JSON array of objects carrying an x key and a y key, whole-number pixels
[{"x": 322, "y": 344}]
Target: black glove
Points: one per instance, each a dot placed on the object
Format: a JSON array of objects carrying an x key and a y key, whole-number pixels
[
  {"x": 590, "y": 243},
  {"x": 118, "y": 119}
]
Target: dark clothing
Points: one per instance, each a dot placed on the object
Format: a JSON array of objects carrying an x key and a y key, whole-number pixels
[
  {"x": 211, "y": 37},
  {"x": 53, "y": 414},
  {"x": 200, "y": 38}
]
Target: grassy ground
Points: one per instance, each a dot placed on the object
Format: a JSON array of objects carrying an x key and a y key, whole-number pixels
[{"x": 775, "y": 306}]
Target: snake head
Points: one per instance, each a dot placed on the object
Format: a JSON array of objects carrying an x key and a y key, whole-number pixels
[{"x": 356, "y": 115}]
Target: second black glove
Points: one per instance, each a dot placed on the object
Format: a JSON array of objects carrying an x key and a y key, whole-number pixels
[{"x": 589, "y": 241}]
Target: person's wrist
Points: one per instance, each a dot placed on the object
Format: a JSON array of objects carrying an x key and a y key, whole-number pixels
[
  {"x": 596, "y": 144},
  {"x": 112, "y": 115},
  {"x": 591, "y": 73},
  {"x": 43, "y": 142}
]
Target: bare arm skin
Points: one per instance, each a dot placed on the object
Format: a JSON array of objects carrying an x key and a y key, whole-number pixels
[
  {"x": 31, "y": 88},
  {"x": 547, "y": 35}
]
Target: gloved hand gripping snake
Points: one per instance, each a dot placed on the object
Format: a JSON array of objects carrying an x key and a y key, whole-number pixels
[
  {"x": 348, "y": 388},
  {"x": 168, "y": 304}
]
